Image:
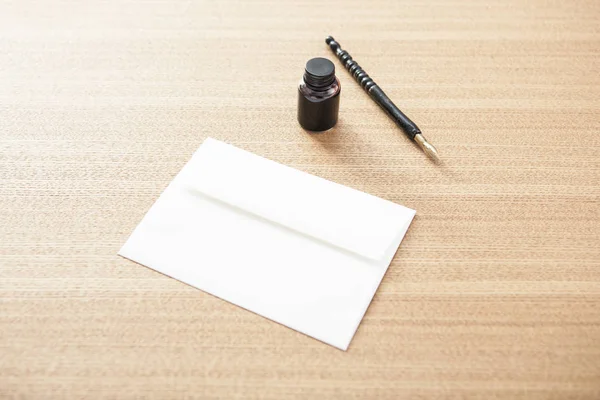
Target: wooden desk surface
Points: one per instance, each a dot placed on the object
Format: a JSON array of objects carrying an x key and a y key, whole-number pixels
[{"x": 494, "y": 293}]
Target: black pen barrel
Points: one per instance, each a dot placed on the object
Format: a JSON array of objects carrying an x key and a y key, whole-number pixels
[{"x": 373, "y": 90}]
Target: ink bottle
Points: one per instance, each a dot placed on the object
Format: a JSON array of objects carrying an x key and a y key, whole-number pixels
[{"x": 318, "y": 96}]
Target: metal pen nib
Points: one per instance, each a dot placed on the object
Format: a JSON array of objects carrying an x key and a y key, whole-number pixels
[
  {"x": 378, "y": 96},
  {"x": 427, "y": 148}
]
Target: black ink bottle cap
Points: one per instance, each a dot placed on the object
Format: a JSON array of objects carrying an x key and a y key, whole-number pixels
[
  {"x": 319, "y": 72},
  {"x": 318, "y": 96}
]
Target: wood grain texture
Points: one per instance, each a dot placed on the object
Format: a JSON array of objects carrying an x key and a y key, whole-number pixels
[{"x": 494, "y": 293}]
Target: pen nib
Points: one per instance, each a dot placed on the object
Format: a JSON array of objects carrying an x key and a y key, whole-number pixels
[{"x": 427, "y": 148}]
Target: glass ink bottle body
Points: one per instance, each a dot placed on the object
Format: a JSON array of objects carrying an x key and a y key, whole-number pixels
[{"x": 318, "y": 96}]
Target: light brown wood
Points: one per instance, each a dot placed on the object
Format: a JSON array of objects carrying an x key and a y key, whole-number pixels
[{"x": 494, "y": 293}]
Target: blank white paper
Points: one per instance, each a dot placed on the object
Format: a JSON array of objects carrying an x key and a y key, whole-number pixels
[{"x": 295, "y": 248}]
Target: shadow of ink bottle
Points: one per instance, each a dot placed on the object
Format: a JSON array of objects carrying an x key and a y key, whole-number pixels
[{"x": 318, "y": 96}]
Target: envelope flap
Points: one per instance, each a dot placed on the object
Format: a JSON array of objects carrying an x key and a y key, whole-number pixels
[{"x": 326, "y": 211}]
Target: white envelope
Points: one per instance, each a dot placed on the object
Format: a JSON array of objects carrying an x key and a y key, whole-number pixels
[{"x": 295, "y": 248}]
